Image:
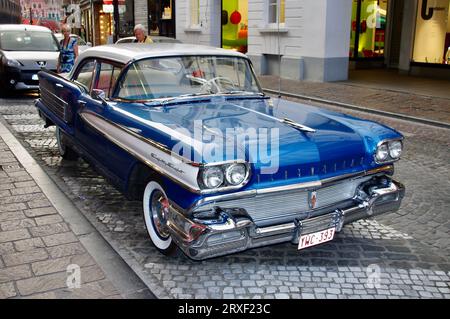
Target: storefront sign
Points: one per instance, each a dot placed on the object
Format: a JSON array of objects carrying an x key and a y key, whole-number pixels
[{"x": 428, "y": 15}]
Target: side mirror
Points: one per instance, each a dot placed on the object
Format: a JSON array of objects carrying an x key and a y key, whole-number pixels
[
  {"x": 99, "y": 95},
  {"x": 89, "y": 44}
]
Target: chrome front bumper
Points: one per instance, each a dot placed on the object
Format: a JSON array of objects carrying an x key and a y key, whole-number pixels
[{"x": 232, "y": 230}]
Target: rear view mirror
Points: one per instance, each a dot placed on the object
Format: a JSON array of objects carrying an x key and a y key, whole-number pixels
[{"x": 89, "y": 44}]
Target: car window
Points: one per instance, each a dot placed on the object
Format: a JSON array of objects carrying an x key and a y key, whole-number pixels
[
  {"x": 85, "y": 74},
  {"x": 21, "y": 40},
  {"x": 107, "y": 78},
  {"x": 190, "y": 75}
]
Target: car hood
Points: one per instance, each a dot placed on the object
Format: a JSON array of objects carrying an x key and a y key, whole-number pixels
[
  {"x": 340, "y": 144},
  {"x": 29, "y": 59}
]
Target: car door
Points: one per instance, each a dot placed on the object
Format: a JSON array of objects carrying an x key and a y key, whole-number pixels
[
  {"x": 95, "y": 112},
  {"x": 90, "y": 138},
  {"x": 117, "y": 158}
]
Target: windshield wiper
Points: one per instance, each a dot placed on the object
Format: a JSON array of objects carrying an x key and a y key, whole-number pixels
[
  {"x": 237, "y": 92},
  {"x": 166, "y": 100}
]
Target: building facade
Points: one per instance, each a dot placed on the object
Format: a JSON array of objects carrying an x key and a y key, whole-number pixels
[
  {"x": 320, "y": 40},
  {"x": 42, "y": 9},
  {"x": 99, "y": 20},
  {"x": 10, "y": 11}
]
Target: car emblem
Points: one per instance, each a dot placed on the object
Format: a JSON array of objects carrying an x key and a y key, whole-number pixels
[
  {"x": 41, "y": 63},
  {"x": 312, "y": 199}
]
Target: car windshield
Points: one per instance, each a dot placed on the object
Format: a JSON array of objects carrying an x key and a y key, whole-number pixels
[
  {"x": 171, "y": 77},
  {"x": 27, "y": 41}
]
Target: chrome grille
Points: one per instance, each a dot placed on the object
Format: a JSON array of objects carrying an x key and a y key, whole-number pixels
[
  {"x": 54, "y": 103},
  {"x": 263, "y": 207}
]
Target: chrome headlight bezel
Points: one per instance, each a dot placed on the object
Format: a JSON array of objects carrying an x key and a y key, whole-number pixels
[
  {"x": 388, "y": 147},
  {"x": 233, "y": 168},
  {"x": 395, "y": 149},
  {"x": 226, "y": 169},
  {"x": 213, "y": 177}
]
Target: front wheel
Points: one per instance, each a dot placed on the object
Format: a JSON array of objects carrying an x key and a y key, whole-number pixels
[
  {"x": 156, "y": 216},
  {"x": 64, "y": 150}
]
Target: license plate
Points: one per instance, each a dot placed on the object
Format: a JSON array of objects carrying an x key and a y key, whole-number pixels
[
  {"x": 34, "y": 77},
  {"x": 316, "y": 238}
]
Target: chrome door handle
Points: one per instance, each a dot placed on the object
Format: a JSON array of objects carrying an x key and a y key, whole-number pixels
[{"x": 82, "y": 103}]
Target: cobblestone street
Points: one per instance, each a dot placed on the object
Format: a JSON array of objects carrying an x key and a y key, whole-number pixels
[{"x": 409, "y": 250}]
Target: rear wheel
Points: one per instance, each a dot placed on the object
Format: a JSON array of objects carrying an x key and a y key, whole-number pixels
[
  {"x": 64, "y": 150},
  {"x": 156, "y": 216}
]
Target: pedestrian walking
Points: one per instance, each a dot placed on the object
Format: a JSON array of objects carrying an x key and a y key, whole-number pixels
[{"x": 68, "y": 52}]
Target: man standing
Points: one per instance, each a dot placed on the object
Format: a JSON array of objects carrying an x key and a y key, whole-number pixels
[{"x": 141, "y": 34}]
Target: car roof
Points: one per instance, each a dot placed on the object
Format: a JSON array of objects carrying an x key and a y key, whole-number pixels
[
  {"x": 72, "y": 35},
  {"x": 22, "y": 27},
  {"x": 127, "y": 52}
]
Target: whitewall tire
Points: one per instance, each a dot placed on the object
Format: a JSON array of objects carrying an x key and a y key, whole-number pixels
[{"x": 156, "y": 214}]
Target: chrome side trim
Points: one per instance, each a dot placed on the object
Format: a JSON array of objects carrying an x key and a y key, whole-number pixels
[
  {"x": 163, "y": 148},
  {"x": 306, "y": 185},
  {"x": 183, "y": 174}
]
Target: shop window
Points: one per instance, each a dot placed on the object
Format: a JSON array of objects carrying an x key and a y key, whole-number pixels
[
  {"x": 368, "y": 29},
  {"x": 235, "y": 25},
  {"x": 194, "y": 13},
  {"x": 276, "y": 9},
  {"x": 432, "y": 35},
  {"x": 126, "y": 18}
]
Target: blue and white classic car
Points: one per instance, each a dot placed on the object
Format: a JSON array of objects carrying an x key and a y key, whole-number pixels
[{"x": 220, "y": 166}]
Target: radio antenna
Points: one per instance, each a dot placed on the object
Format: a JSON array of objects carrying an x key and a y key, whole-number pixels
[{"x": 279, "y": 49}]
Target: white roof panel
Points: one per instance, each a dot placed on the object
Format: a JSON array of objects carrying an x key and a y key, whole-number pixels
[{"x": 127, "y": 52}]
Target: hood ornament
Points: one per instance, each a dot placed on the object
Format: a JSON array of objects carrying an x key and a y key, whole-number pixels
[
  {"x": 41, "y": 63},
  {"x": 298, "y": 126},
  {"x": 312, "y": 199}
]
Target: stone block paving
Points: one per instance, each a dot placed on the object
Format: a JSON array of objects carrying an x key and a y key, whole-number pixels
[
  {"x": 398, "y": 255},
  {"x": 433, "y": 108},
  {"x": 37, "y": 245}
]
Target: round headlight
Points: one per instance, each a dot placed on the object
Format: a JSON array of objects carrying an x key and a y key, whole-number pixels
[
  {"x": 235, "y": 174},
  {"x": 382, "y": 152},
  {"x": 213, "y": 177},
  {"x": 395, "y": 149}
]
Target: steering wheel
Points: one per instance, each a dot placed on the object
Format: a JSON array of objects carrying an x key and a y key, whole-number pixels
[{"x": 213, "y": 85}]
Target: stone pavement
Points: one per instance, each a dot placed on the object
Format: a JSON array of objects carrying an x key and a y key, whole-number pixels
[
  {"x": 397, "y": 99},
  {"x": 40, "y": 256}
]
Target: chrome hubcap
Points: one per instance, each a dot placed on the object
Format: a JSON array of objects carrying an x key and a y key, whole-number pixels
[{"x": 159, "y": 205}]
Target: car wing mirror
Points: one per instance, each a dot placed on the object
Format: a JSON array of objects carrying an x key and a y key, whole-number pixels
[
  {"x": 99, "y": 95},
  {"x": 89, "y": 44}
]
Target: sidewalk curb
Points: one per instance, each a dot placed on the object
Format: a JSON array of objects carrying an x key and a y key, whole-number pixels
[
  {"x": 124, "y": 279},
  {"x": 362, "y": 109}
]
